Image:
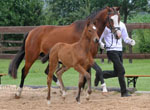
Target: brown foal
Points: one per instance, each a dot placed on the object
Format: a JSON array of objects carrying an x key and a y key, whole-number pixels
[{"x": 76, "y": 55}]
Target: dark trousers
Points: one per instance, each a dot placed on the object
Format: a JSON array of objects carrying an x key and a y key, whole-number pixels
[{"x": 119, "y": 71}]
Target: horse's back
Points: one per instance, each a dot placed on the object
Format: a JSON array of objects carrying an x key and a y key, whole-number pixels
[{"x": 41, "y": 38}]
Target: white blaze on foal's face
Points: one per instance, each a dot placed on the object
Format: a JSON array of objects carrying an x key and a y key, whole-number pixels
[{"x": 94, "y": 27}]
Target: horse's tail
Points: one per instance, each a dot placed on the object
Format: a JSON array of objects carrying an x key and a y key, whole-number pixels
[
  {"x": 12, "y": 71},
  {"x": 45, "y": 58}
]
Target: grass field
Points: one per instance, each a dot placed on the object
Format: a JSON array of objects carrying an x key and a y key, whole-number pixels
[{"x": 36, "y": 75}]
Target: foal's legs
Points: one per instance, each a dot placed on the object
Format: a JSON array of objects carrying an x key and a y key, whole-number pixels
[
  {"x": 81, "y": 79},
  {"x": 59, "y": 76},
  {"x": 81, "y": 70},
  {"x": 52, "y": 69}
]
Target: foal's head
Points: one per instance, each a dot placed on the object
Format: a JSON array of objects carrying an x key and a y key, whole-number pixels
[{"x": 91, "y": 31}]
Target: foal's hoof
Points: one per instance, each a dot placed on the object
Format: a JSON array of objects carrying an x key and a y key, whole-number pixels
[
  {"x": 63, "y": 97},
  {"x": 48, "y": 102},
  {"x": 17, "y": 97},
  {"x": 77, "y": 99},
  {"x": 89, "y": 91},
  {"x": 88, "y": 97}
]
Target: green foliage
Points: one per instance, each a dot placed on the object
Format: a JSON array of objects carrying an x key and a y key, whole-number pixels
[
  {"x": 64, "y": 12},
  {"x": 21, "y": 12},
  {"x": 128, "y": 6},
  {"x": 142, "y": 36}
]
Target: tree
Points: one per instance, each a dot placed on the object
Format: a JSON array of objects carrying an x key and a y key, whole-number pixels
[
  {"x": 141, "y": 36},
  {"x": 129, "y": 6},
  {"x": 21, "y": 12},
  {"x": 64, "y": 12}
]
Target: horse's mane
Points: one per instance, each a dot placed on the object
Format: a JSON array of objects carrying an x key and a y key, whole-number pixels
[
  {"x": 80, "y": 23},
  {"x": 94, "y": 13}
]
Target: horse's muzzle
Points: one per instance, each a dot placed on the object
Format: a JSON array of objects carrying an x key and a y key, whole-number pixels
[
  {"x": 118, "y": 34},
  {"x": 96, "y": 40}
]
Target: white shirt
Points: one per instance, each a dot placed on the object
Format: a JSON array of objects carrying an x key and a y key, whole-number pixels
[{"x": 110, "y": 40}]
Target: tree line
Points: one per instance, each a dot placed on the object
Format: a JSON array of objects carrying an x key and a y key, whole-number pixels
[
  {"x": 64, "y": 12},
  {"x": 60, "y": 12}
]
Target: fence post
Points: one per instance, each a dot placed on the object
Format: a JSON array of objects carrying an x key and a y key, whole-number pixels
[
  {"x": 130, "y": 47},
  {"x": 1, "y": 43}
]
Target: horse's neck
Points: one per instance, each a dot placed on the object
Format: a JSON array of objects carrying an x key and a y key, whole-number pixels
[
  {"x": 79, "y": 25},
  {"x": 102, "y": 23},
  {"x": 85, "y": 43}
]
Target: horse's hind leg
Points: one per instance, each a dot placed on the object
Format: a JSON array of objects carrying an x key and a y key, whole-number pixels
[
  {"x": 54, "y": 77},
  {"x": 25, "y": 71},
  {"x": 59, "y": 76}
]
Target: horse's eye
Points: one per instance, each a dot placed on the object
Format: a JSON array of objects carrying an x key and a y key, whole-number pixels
[
  {"x": 90, "y": 31},
  {"x": 111, "y": 20}
]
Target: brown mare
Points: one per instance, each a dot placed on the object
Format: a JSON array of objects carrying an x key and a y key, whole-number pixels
[
  {"x": 39, "y": 40},
  {"x": 76, "y": 55}
]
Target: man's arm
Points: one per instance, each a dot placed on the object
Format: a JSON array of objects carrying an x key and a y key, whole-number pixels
[
  {"x": 126, "y": 37},
  {"x": 102, "y": 45}
]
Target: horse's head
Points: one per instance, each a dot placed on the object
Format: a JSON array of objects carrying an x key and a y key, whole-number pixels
[
  {"x": 110, "y": 17},
  {"x": 113, "y": 19},
  {"x": 91, "y": 31}
]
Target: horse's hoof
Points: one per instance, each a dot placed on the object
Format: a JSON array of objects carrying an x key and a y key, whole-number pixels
[
  {"x": 87, "y": 98},
  {"x": 48, "y": 102},
  {"x": 17, "y": 97},
  {"x": 63, "y": 97},
  {"x": 77, "y": 99},
  {"x": 105, "y": 93},
  {"x": 89, "y": 91},
  {"x": 79, "y": 103}
]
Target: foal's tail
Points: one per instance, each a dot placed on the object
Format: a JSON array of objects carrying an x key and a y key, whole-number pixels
[{"x": 12, "y": 71}]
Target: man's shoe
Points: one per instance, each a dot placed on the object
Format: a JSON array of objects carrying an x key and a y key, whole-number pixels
[{"x": 125, "y": 94}]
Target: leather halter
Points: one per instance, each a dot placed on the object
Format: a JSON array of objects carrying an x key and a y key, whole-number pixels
[
  {"x": 109, "y": 21},
  {"x": 111, "y": 27}
]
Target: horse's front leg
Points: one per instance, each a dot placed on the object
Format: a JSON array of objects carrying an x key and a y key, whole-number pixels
[
  {"x": 81, "y": 79},
  {"x": 81, "y": 70}
]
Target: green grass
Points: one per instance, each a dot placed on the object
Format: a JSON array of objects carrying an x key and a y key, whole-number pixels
[{"x": 36, "y": 74}]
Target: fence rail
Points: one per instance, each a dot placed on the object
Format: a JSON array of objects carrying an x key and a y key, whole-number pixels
[{"x": 24, "y": 29}]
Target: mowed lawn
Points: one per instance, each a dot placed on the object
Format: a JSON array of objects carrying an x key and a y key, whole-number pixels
[{"x": 36, "y": 74}]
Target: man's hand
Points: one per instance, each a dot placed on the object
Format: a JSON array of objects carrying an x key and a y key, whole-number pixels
[
  {"x": 102, "y": 46},
  {"x": 132, "y": 42}
]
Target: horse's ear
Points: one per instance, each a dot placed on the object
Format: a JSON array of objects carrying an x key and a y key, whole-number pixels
[
  {"x": 88, "y": 22},
  {"x": 95, "y": 21},
  {"x": 109, "y": 10},
  {"x": 117, "y": 8}
]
